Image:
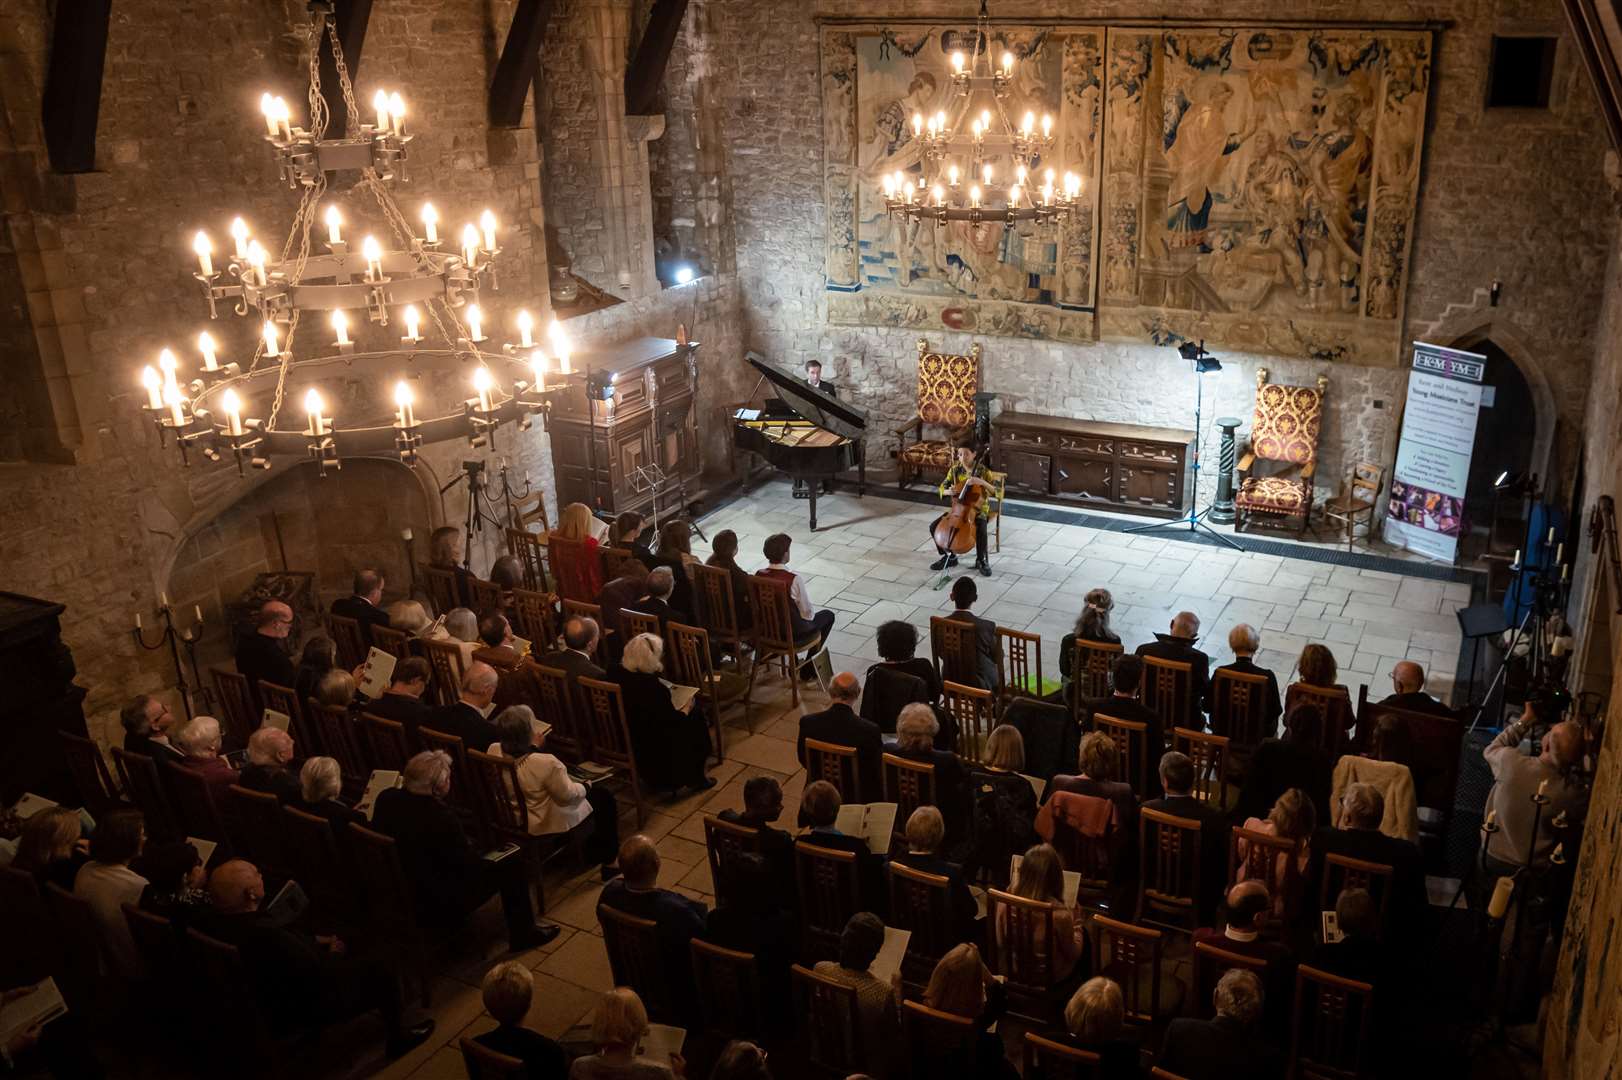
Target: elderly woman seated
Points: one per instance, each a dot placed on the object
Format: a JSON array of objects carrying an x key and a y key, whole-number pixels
[
  {"x": 671, "y": 745},
  {"x": 199, "y": 740},
  {"x": 321, "y": 783},
  {"x": 617, "y": 1028},
  {"x": 336, "y": 688},
  {"x": 269, "y": 751},
  {"x": 411, "y": 617},
  {"x": 554, "y": 803},
  {"x": 1095, "y": 1019},
  {"x": 462, "y": 627},
  {"x": 915, "y": 731}
]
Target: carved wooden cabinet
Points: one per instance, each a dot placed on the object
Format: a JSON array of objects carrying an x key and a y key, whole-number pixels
[
  {"x": 40, "y": 700},
  {"x": 1091, "y": 462},
  {"x": 627, "y": 406}
]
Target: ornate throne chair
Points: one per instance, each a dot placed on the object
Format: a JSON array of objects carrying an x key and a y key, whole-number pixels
[
  {"x": 1284, "y": 433},
  {"x": 946, "y": 388}
]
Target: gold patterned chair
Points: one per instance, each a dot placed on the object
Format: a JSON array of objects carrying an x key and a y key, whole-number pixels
[
  {"x": 1285, "y": 433},
  {"x": 946, "y": 388}
]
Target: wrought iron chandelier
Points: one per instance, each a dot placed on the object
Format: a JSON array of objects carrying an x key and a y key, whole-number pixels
[
  {"x": 957, "y": 180},
  {"x": 412, "y": 281}
]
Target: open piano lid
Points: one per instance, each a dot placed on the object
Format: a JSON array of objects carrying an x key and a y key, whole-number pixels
[{"x": 826, "y": 412}]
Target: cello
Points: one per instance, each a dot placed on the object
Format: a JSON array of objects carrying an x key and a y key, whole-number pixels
[{"x": 954, "y": 531}]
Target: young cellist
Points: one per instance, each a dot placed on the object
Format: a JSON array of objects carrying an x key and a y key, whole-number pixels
[{"x": 967, "y": 471}]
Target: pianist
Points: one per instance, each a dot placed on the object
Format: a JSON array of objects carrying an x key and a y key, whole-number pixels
[
  {"x": 964, "y": 472},
  {"x": 813, "y": 375}
]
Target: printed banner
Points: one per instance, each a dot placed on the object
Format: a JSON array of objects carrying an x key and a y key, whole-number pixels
[{"x": 1425, "y": 513}]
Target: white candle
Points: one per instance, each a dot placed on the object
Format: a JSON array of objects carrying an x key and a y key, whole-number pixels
[
  {"x": 267, "y": 106},
  {"x": 917, "y": 124},
  {"x": 204, "y": 250},
  {"x": 1499, "y": 904},
  {"x": 340, "y": 326},
  {"x": 1047, "y": 125},
  {"x": 1027, "y": 125},
  {"x": 1565, "y": 571},
  {"x": 481, "y": 384},
  {"x": 470, "y": 246},
  {"x": 1550, "y": 540},
  {"x": 312, "y": 407},
  {"x": 1560, "y": 552},
  {"x": 951, "y": 175},
  {"x": 1013, "y": 195},
  {"x": 487, "y": 225},
  {"x": 430, "y": 223},
  {"x": 171, "y": 395},
  {"x": 397, "y": 113},
  {"x": 380, "y": 104},
  {"x": 205, "y": 342},
  {"x": 163, "y": 600},
  {"x": 271, "y": 348},
  {"x": 402, "y": 398},
  {"x": 1543, "y": 788},
  {"x": 957, "y": 63},
  {"x": 197, "y": 609},
  {"x": 411, "y": 323},
  {"x": 985, "y": 175},
  {"x": 154, "y": 387},
  {"x": 374, "y": 258},
  {"x": 525, "y": 325},
  {"x": 284, "y": 118},
  {"x": 537, "y": 361},
  {"x": 974, "y": 195},
  {"x": 167, "y": 364},
  {"x": 475, "y": 323},
  {"x": 137, "y": 620},
  {"x": 1008, "y": 63},
  {"x": 239, "y": 233},
  {"x": 1517, "y": 560},
  {"x": 233, "y": 412},
  {"x": 334, "y": 219},
  {"x": 256, "y": 260}
]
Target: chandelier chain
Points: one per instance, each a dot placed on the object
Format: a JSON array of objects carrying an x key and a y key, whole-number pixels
[{"x": 344, "y": 84}]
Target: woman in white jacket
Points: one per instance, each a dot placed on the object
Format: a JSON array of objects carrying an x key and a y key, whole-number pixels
[{"x": 554, "y": 801}]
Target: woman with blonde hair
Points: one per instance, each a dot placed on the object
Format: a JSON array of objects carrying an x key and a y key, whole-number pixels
[
  {"x": 1041, "y": 878},
  {"x": 412, "y": 618},
  {"x": 1292, "y": 818},
  {"x": 1002, "y": 803},
  {"x": 617, "y": 1028},
  {"x": 49, "y": 847},
  {"x": 1095, "y": 1017},
  {"x": 575, "y": 522},
  {"x": 962, "y": 985},
  {"x": 446, "y": 548},
  {"x": 671, "y": 744}
]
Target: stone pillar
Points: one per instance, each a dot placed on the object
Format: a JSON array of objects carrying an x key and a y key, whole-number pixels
[{"x": 1222, "y": 510}]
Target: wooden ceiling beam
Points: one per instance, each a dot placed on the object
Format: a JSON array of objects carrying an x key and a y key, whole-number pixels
[
  {"x": 71, "y": 104},
  {"x": 647, "y": 71},
  {"x": 519, "y": 63}
]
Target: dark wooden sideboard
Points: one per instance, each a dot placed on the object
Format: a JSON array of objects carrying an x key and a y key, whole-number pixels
[
  {"x": 1143, "y": 470},
  {"x": 41, "y": 699}
]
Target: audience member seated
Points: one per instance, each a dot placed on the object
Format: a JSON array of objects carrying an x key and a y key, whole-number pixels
[
  {"x": 962, "y": 985},
  {"x": 677, "y": 919},
  {"x": 656, "y": 601},
  {"x": 147, "y": 721},
  {"x": 878, "y": 1004},
  {"x": 1095, "y": 1019},
  {"x": 575, "y": 522},
  {"x": 269, "y": 751},
  {"x": 1083, "y": 809},
  {"x": 410, "y": 617},
  {"x": 1091, "y": 625},
  {"x": 321, "y": 783},
  {"x": 676, "y": 552},
  {"x": 262, "y": 655},
  {"x": 499, "y": 647},
  {"x": 621, "y": 593},
  {"x": 1179, "y": 645},
  {"x": 915, "y": 732},
  {"x": 741, "y": 1060},
  {"x": 1228, "y": 1046},
  {"x": 1002, "y": 804},
  {"x": 1294, "y": 761},
  {"x": 804, "y": 622},
  {"x": 926, "y": 830},
  {"x": 671, "y": 745},
  {"x": 838, "y": 724},
  {"x": 1244, "y": 640},
  {"x": 1408, "y": 691},
  {"x": 1177, "y": 780},
  {"x": 628, "y": 532},
  {"x": 50, "y": 848},
  {"x": 1247, "y": 906},
  {"x": 462, "y": 627},
  {"x": 1361, "y": 809},
  {"x": 106, "y": 882},
  {"x": 557, "y": 804},
  {"x": 1358, "y": 954},
  {"x": 1126, "y": 680},
  {"x": 756, "y": 916},
  {"x": 964, "y": 595},
  {"x": 1100, "y": 763},
  {"x": 447, "y": 875},
  {"x": 468, "y": 717},
  {"x": 508, "y": 989},
  {"x": 897, "y": 642},
  {"x": 363, "y": 604},
  {"x": 617, "y": 1028},
  {"x": 402, "y": 702},
  {"x": 580, "y": 637},
  {"x": 762, "y": 807},
  {"x": 1293, "y": 817},
  {"x": 446, "y": 547},
  {"x": 175, "y": 879},
  {"x": 724, "y": 554},
  {"x": 507, "y": 574},
  {"x": 1041, "y": 878},
  {"x": 1317, "y": 669},
  {"x": 302, "y": 979},
  {"x": 1517, "y": 777},
  {"x": 319, "y": 657},
  {"x": 336, "y": 689},
  {"x": 200, "y": 739}
]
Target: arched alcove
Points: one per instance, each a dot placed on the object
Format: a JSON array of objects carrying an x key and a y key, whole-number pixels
[{"x": 1474, "y": 328}]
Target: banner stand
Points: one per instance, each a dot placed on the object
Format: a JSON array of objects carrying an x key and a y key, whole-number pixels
[{"x": 1425, "y": 510}]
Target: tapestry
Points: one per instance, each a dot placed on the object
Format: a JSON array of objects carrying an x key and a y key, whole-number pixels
[{"x": 1251, "y": 188}]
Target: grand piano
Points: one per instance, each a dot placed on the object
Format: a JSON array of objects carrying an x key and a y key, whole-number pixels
[{"x": 801, "y": 431}]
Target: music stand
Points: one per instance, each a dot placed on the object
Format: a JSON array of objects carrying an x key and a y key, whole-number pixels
[{"x": 1476, "y": 622}]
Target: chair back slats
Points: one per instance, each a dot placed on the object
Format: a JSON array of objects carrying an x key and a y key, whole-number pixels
[
  {"x": 1433, "y": 742},
  {"x": 942, "y": 1042},
  {"x": 718, "y": 607},
  {"x": 239, "y": 714},
  {"x": 909, "y": 784},
  {"x": 729, "y": 992},
  {"x": 1090, "y": 667},
  {"x": 610, "y": 734},
  {"x": 527, "y": 548},
  {"x": 462, "y": 789},
  {"x": 1211, "y": 962},
  {"x": 340, "y": 739},
  {"x": 636, "y": 960},
  {"x": 1053, "y": 1060},
  {"x": 1022, "y": 941},
  {"x": 1342, "y": 872},
  {"x": 773, "y": 630},
  {"x": 387, "y": 746},
  {"x": 974, "y": 710},
  {"x": 375, "y": 861},
  {"x": 1092, "y": 857},
  {"x": 1335, "y": 705},
  {"x": 830, "y": 893},
  {"x": 486, "y": 596},
  {"x": 144, "y": 786},
  {"x": 440, "y": 581},
  {"x": 724, "y": 840},
  {"x": 90, "y": 774},
  {"x": 1169, "y": 870},
  {"x": 636, "y": 622},
  {"x": 498, "y": 797},
  {"x": 570, "y": 572},
  {"x": 284, "y": 699},
  {"x": 350, "y": 640},
  {"x": 445, "y": 661},
  {"x": 254, "y": 819},
  {"x": 561, "y": 707},
  {"x": 837, "y": 765},
  {"x": 616, "y": 561},
  {"x": 1209, "y": 753},
  {"x": 1019, "y": 663},
  {"x": 1239, "y": 707},
  {"x": 483, "y": 1063},
  {"x": 1132, "y": 956},
  {"x": 397, "y": 643},
  {"x": 1331, "y": 1027},
  {"x": 688, "y": 662},
  {"x": 1131, "y": 739},
  {"x": 1268, "y": 858},
  {"x": 193, "y": 801},
  {"x": 28, "y": 946},
  {"x": 953, "y": 646},
  {"x": 582, "y": 609},
  {"x": 314, "y": 861},
  {"x": 534, "y": 614},
  {"x": 1168, "y": 689},
  {"x": 921, "y": 903},
  {"x": 79, "y": 957},
  {"x": 833, "y": 1033}
]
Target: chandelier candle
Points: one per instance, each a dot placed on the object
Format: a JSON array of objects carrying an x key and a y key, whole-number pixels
[
  {"x": 487, "y": 223},
  {"x": 334, "y": 219},
  {"x": 233, "y": 412},
  {"x": 205, "y": 250},
  {"x": 256, "y": 260},
  {"x": 475, "y": 324},
  {"x": 430, "y": 223},
  {"x": 397, "y": 114},
  {"x": 239, "y": 234},
  {"x": 470, "y": 246},
  {"x": 284, "y": 119},
  {"x": 267, "y": 106},
  {"x": 171, "y": 394},
  {"x": 374, "y": 258},
  {"x": 526, "y": 339},
  {"x": 154, "y": 387},
  {"x": 405, "y": 418},
  {"x": 205, "y": 342},
  {"x": 167, "y": 363},
  {"x": 411, "y": 334},
  {"x": 537, "y": 361},
  {"x": 312, "y": 406},
  {"x": 380, "y": 103},
  {"x": 271, "y": 348},
  {"x": 340, "y": 325},
  {"x": 481, "y": 385}
]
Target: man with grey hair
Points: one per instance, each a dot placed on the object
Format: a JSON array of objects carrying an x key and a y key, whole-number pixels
[
  {"x": 1358, "y": 836},
  {"x": 147, "y": 722},
  {"x": 448, "y": 876},
  {"x": 269, "y": 751},
  {"x": 1178, "y": 645},
  {"x": 1244, "y": 640},
  {"x": 200, "y": 740},
  {"x": 469, "y": 716},
  {"x": 1519, "y": 776},
  {"x": 839, "y": 725},
  {"x": 578, "y": 656},
  {"x": 1228, "y": 1045},
  {"x": 1177, "y": 776},
  {"x": 661, "y": 583},
  {"x": 915, "y": 730}
]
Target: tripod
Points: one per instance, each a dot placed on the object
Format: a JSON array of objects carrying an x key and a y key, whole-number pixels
[
  {"x": 481, "y": 505},
  {"x": 1203, "y": 362}
]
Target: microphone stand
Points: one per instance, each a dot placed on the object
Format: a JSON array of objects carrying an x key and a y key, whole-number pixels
[{"x": 1193, "y": 518}]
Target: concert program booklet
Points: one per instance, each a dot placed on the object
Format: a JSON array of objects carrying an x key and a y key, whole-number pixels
[
  {"x": 660, "y": 1041},
  {"x": 1072, "y": 880},
  {"x": 873, "y": 822},
  {"x": 277, "y": 720},
  {"x": 380, "y": 781},
  {"x": 680, "y": 696},
  {"x": 589, "y": 772},
  {"x": 31, "y": 804},
  {"x": 888, "y": 961},
  {"x": 205, "y": 848},
  {"x": 42, "y": 1004},
  {"x": 377, "y": 672},
  {"x": 1038, "y": 785}
]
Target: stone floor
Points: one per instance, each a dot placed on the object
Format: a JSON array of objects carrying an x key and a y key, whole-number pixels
[{"x": 868, "y": 563}]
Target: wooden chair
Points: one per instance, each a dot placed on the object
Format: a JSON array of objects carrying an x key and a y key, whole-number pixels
[
  {"x": 724, "y": 840},
  {"x": 230, "y": 1014},
  {"x": 1434, "y": 742},
  {"x": 830, "y": 888},
  {"x": 1210, "y": 963},
  {"x": 78, "y": 969},
  {"x": 1022, "y": 946},
  {"x": 239, "y": 711},
  {"x": 483, "y": 1063},
  {"x": 1131, "y": 739},
  {"x": 193, "y": 802},
  {"x": 635, "y": 622},
  {"x": 445, "y": 660},
  {"x": 1239, "y": 708},
  {"x": 728, "y": 991},
  {"x": 350, "y": 639},
  {"x": 158, "y": 944},
  {"x": 1357, "y": 499},
  {"x": 712, "y": 585},
  {"x": 994, "y": 505},
  {"x": 530, "y": 550},
  {"x": 941, "y": 1042},
  {"x": 443, "y": 591},
  {"x": 1209, "y": 753},
  {"x": 1331, "y": 1027},
  {"x": 29, "y": 950},
  {"x": 141, "y": 781},
  {"x": 570, "y": 572},
  {"x": 560, "y": 706},
  {"x": 921, "y": 903},
  {"x": 1134, "y": 956},
  {"x": 1051, "y": 1059},
  {"x": 315, "y": 861},
  {"x": 391, "y": 913},
  {"x": 385, "y": 742},
  {"x": 1168, "y": 689},
  {"x": 341, "y": 740},
  {"x": 1095, "y": 858},
  {"x": 97, "y": 792},
  {"x": 687, "y": 661},
  {"x": 611, "y": 737},
  {"x": 837, "y": 765},
  {"x": 1284, "y": 433},
  {"x": 947, "y": 384},
  {"x": 486, "y": 596},
  {"x": 284, "y": 699},
  {"x": 254, "y": 819},
  {"x": 1259, "y": 856},
  {"x": 1016, "y": 677},
  {"x": 462, "y": 793},
  {"x": 1335, "y": 702},
  {"x": 1344, "y": 872},
  {"x": 909, "y": 784},
  {"x": 637, "y": 960},
  {"x": 1169, "y": 870},
  {"x": 1090, "y": 667},
  {"x": 955, "y": 651},
  {"x": 534, "y": 617},
  {"x": 397, "y": 643},
  {"x": 772, "y": 635},
  {"x": 974, "y": 710},
  {"x": 584, "y": 610},
  {"x": 499, "y": 805},
  {"x": 832, "y": 1029},
  {"x": 616, "y": 561}
]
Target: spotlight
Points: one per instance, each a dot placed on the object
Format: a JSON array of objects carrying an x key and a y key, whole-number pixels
[
  {"x": 1203, "y": 361},
  {"x": 684, "y": 274}
]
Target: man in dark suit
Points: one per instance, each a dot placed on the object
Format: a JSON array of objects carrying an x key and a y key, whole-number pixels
[
  {"x": 147, "y": 721},
  {"x": 1227, "y": 1046},
  {"x": 1246, "y": 902},
  {"x": 926, "y": 831},
  {"x": 1244, "y": 641},
  {"x": 1179, "y": 645},
  {"x": 1126, "y": 676},
  {"x": 677, "y": 920},
  {"x": 813, "y": 376},
  {"x": 448, "y": 877},
  {"x": 402, "y": 701},
  {"x": 1408, "y": 682},
  {"x": 497, "y": 643},
  {"x": 762, "y": 807},
  {"x": 263, "y": 653},
  {"x": 819, "y": 812},
  {"x": 471, "y": 716},
  {"x": 508, "y": 989},
  {"x": 839, "y": 724},
  {"x": 1177, "y": 780},
  {"x": 363, "y": 605},
  {"x": 301, "y": 978},
  {"x": 660, "y": 585},
  {"x": 964, "y": 594},
  {"x": 1362, "y": 807},
  {"x": 577, "y": 657}
]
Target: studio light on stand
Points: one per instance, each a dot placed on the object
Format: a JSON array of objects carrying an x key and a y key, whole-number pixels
[{"x": 1204, "y": 364}]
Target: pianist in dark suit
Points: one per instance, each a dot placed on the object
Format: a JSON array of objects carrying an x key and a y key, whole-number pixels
[{"x": 813, "y": 375}]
